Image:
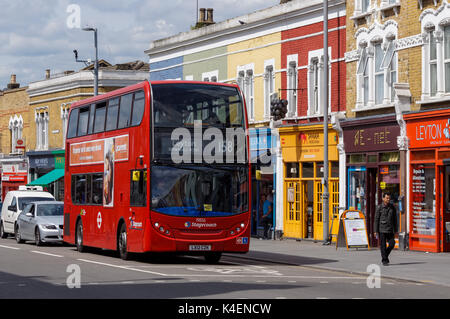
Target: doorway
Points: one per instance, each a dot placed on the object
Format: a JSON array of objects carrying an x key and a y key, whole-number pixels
[
  {"x": 372, "y": 203},
  {"x": 446, "y": 210}
]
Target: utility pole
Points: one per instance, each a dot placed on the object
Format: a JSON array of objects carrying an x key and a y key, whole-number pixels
[{"x": 325, "y": 193}]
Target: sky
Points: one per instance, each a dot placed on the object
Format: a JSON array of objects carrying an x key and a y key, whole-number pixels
[{"x": 36, "y": 35}]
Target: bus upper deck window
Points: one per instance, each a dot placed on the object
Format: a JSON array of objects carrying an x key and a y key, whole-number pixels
[
  {"x": 138, "y": 108},
  {"x": 125, "y": 111},
  {"x": 111, "y": 117},
  {"x": 83, "y": 121},
  {"x": 73, "y": 122},
  {"x": 100, "y": 112}
]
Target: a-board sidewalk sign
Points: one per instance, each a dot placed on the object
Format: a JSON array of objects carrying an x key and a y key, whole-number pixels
[{"x": 352, "y": 231}]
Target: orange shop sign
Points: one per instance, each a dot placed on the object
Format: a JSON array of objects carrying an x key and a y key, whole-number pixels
[
  {"x": 432, "y": 133},
  {"x": 93, "y": 152}
]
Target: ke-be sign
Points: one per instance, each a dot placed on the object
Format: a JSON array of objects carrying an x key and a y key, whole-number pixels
[
  {"x": 371, "y": 138},
  {"x": 431, "y": 133}
]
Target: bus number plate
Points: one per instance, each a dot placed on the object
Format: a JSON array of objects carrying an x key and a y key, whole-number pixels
[{"x": 199, "y": 247}]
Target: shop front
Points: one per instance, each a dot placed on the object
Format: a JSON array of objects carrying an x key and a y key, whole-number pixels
[
  {"x": 373, "y": 166},
  {"x": 303, "y": 158},
  {"x": 263, "y": 175},
  {"x": 429, "y": 180},
  {"x": 46, "y": 169},
  {"x": 14, "y": 174}
]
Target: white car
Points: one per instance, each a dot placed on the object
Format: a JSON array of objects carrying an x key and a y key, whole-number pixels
[{"x": 15, "y": 202}]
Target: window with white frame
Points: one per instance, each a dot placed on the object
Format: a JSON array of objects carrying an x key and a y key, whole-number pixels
[
  {"x": 361, "y": 6},
  {"x": 210, "y": 76},
  {"x": 41, "y": 118},
  {"x": 269, "y": 89},
  {"x": 65, "y": 107},
  {"x": 249, "y": 93},
  {"x": 292, "y": 86},
  {"x": 376, "y": 71},
  {"x": 436, "y": 53},
  {"x": 315, "y": 82},
  {"x": 16, "y": 128}
]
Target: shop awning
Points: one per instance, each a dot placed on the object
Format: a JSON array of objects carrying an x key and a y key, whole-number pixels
[{"x": 48, "y": 178}]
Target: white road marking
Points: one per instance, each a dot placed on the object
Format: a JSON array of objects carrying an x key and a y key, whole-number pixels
[
  {"x": 47, "y": 254},
  {"x": 123, "y": 267},
  {"x": 15, "y": 248}
]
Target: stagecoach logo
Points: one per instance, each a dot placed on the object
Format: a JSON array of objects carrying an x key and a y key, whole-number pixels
[
  {"x": 82, "y": 212},
  {"x": 187, "y": 224}
]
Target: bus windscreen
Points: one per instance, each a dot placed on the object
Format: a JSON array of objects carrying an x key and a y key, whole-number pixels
[{"x": 198, "y": 191}]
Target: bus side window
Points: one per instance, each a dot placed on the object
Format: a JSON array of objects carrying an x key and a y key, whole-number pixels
[
  {"x": 125, "y": 111},
  {"x": 138, "y": 108},
  {"x": 83, "y": 121},
  {"x": 111, "y": 115},
  {"x": 97, "y": 188},
  {"x": 91, "y": 119},
  {"x": 73, "y": 122},
  {"x": 100, "y": 112},
  {"x": 79, "y": 189},
  {"x": 138, "y": 188}
]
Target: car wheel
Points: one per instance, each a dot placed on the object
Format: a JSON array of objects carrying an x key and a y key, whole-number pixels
[
  {"x": 37, "y": 237},
  {"x": 79, "y": 238},
  {"x": 2, "y": 231},
  {"x": 213, "y": 258},
  {"x": 19, "y": 239},
  {"x": 122, "y": 243}
]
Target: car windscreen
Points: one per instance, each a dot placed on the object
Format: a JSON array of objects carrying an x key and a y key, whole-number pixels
[
  {"x": 50, "y": 210},
  {"x": 23, "y": 201}
]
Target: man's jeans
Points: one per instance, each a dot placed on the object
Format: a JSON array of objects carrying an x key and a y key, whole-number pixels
[{"x": 385, "y": 251}]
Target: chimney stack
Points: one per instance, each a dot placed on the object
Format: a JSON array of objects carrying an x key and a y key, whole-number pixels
[
  {"x": 47, "y": 74},
  {"x": 201, "y": 18},
  {"x": 209, "y": 17},
  {"x": 12, "y": 83},
  {"x": 205, "y": 18}
]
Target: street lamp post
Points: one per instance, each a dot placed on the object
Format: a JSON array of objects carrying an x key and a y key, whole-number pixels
[
  {"x": 96, "y": 58},
  {"x": 325, "y": 193}
]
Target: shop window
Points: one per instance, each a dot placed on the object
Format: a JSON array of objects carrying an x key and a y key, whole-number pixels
[
  {"x": 319, "y": 169},
  {"x": 372, "y": 158},
  {"x": 390, "y": 157},
  {"x": 423, "y": 199},
  {"x": 335, "y": 169},
  {"x": 444, "y": 155},
  {"x": 423, "y": 155},
  {"x": 356, "y": 158},
  {"x": 308, "y": 170},
  {"x": 292, "y": 170}
]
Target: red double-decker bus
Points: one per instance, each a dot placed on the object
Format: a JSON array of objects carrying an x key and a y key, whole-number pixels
[{"x": 159, "y": 167}]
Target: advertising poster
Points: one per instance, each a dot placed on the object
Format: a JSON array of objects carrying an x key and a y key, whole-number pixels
[{"x": 108, "y": 173}]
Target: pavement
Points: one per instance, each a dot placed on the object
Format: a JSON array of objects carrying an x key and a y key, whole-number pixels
[{"x": 421, "y": 267}]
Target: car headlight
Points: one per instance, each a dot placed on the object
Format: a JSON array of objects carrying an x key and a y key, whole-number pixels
[{"x": 49, "y": 226}]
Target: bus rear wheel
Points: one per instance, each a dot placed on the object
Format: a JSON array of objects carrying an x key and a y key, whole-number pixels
[
  {"x": 213, "y": 258},
  {"x": 122, "y": 243},
  {"x": 79, "y": 238}
]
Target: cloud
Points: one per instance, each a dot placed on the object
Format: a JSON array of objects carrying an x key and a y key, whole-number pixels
[{"x": 35, "y": 35}]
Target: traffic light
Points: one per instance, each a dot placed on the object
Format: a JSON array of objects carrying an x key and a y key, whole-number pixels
[{"x": 278, "y": 109}]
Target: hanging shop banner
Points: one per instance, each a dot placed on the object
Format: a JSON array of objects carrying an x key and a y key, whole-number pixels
[
  {"x": 371, "y": 138},
  {"x": 93, "y": 152},
  {"x": 352, "y": 231},
  {"x": 432, "y": 133}
]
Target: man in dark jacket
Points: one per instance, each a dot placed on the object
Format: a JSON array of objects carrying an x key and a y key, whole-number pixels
[{"x": 386, "y": 226}]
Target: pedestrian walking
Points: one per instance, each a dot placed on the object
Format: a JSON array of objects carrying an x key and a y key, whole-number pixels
[
  {"x": 267, "y": 217},
  {"x": 386, "y": 227}
]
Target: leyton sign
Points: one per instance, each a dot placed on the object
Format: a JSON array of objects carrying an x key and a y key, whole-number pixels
[
  {"x": 371, "y": 138},
  {"x": 431, "y": 133}
]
